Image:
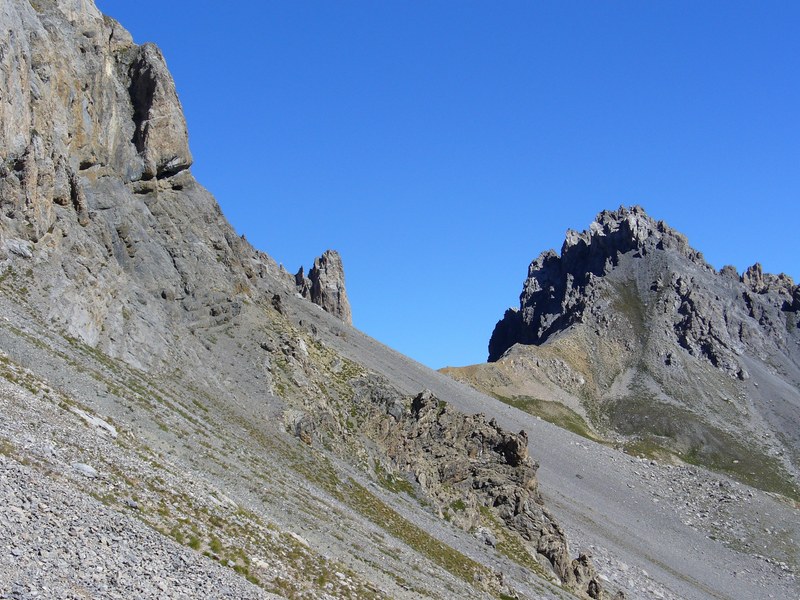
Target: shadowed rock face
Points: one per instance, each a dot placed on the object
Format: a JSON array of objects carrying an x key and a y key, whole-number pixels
[
  {"x": 160, "y": 135},
  {"x": 559, "y": 288}
]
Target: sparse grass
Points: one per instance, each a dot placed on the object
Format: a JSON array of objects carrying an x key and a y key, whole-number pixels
[
  {"x": 665, "y": 430},
  {"x": 510, "y": 544},
  {"x": 552, "y": 412},
  {"x": 628, "y": 302},
  {"x": 458, "y": 505},
  {"x": 440, "y": 553},
  {"x": 393, "y": 483},
  {"x": 7, "y": 448},
  {"x": 215, "y": 545},
  {"x": 648, "y": 447}
]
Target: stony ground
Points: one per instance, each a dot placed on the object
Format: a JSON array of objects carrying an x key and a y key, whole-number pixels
[
  {"x": 60, "y": 543},
  {"x": 653, "y": 530},
  {"x": 114, "y": 492}
]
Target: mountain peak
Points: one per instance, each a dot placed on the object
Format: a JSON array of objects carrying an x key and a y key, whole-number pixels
[
  {"x": 562, "y": 290},
  {"x": 619, "y": 231},
  {"x": 631, "y": 327},
  {"x": 632, "y": 224}
]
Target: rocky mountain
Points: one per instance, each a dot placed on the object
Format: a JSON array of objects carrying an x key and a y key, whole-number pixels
[
  {"x": 640, "y": 341},
  {"x": 213, "y": 412},
  {"x": 180, "y": 417}
]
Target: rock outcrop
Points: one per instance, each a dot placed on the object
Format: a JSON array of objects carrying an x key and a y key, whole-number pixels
[
  {"x": 160, "y": 133},
  {"x": 81, "y": 100},
  {"x": 480, "y": 467},
  {"x": 324, "y": 285}
]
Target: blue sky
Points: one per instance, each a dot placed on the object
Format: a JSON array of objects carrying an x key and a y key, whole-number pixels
[{"x": 441, "y": 145}]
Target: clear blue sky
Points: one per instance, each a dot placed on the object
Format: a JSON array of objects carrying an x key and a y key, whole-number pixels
[{"x": 441, "y": 145}]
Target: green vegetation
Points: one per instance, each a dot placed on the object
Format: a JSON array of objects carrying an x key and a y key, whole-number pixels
[
  {"x": 552, "y": 412},
  {"x": 510, "y": 544},
  {"x": 648, "y": 446},
  {"x": 664, "y": 430},
  {"x": 458, "y": 505},
  {"x": 215, "y": 545},
  {"x": 393, "y": 483}
]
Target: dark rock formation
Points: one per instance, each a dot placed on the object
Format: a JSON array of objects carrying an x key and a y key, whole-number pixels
[
  {"x": 562, "y": 290},
  {"x": 558, "y": 288}
]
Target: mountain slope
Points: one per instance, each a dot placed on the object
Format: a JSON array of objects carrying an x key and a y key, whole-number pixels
[
  {"x": 630, "y": 334},
  {"x": 657, "y": 530},
  {"x": 155, "y": 364},
  {"x": 161, "y": 375}
]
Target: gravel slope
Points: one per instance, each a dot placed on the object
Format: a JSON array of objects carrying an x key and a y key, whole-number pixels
[
  {"x": 60, "y": 543},
  {"x": 112, "y": 476}
]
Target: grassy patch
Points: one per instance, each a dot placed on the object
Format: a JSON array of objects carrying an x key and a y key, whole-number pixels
[
  {"x": 649, "y": 447},
  {"x": 7, "y": 448},
  {"x": 664, "y": 429},
  {"x": 392, "y": 482},
  {"x": 552, "y": 412}
]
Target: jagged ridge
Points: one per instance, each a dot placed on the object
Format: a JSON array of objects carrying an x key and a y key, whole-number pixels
[
  {"x": 644, "y": 338},
  {"x": 559, "y": 290}
]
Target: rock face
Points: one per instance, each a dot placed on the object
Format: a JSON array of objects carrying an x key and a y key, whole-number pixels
[
  {"x": 324, "y": 285},
  {"x": 633, "y": 330},
  {"x": 160, "y": 136},
  {"x": 82, "y": 100},
  {"x": 559, "y": 289},
  {"x": 96, "y": 175}
]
